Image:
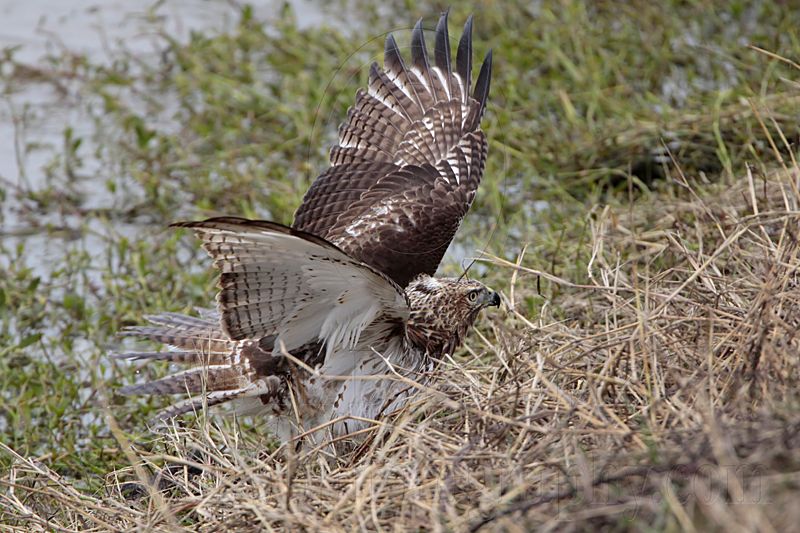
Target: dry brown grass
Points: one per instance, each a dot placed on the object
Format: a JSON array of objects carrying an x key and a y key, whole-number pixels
[{"x": 665, "y": 397}]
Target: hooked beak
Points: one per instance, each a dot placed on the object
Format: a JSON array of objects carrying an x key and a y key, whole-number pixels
[{"x": 494, "y": 299}]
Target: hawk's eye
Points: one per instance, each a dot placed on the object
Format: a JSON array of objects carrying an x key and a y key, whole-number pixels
[{"x": 473, "y": 296}]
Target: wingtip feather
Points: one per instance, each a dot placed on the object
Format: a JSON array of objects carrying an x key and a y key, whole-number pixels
[
  {"x": 464, "y": 55},
  {"x": 419, "y": 52},
  {"x": 481, "y": 93},
  {"x": 442, "y": 45},
  {"x": 392, "y": 58}
]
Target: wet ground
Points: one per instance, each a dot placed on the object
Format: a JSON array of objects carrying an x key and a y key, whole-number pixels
[{"x": 36, "y": 113}]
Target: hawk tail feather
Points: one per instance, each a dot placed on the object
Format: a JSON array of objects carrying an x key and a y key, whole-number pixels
[{"x": 220, "y": 370}]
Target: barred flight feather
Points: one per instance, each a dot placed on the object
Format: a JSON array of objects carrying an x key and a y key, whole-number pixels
[{"x": 413, "y": 116}]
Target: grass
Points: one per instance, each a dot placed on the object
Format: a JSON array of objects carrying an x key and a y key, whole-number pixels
[{"x": 639, "y": 213}]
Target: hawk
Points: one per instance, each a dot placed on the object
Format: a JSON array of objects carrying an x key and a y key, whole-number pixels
[{"x": 327, "y": 323}]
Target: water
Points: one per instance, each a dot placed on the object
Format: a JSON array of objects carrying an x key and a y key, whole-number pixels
[{"x": 35, "y": 113}]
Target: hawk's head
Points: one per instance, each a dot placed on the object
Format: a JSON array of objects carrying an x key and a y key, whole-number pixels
[{"x": 443, "y": 310}]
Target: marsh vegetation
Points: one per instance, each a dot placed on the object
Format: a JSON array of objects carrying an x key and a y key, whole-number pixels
[{"x": 639, "y": 213}]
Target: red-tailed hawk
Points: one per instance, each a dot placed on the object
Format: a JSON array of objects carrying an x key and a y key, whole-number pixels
[{"x": 315, "y": 323}]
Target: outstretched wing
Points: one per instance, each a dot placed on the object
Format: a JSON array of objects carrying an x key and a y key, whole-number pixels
[
  {"x": 409, "y": 159},
  {"x": 282, "y": 282}
]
